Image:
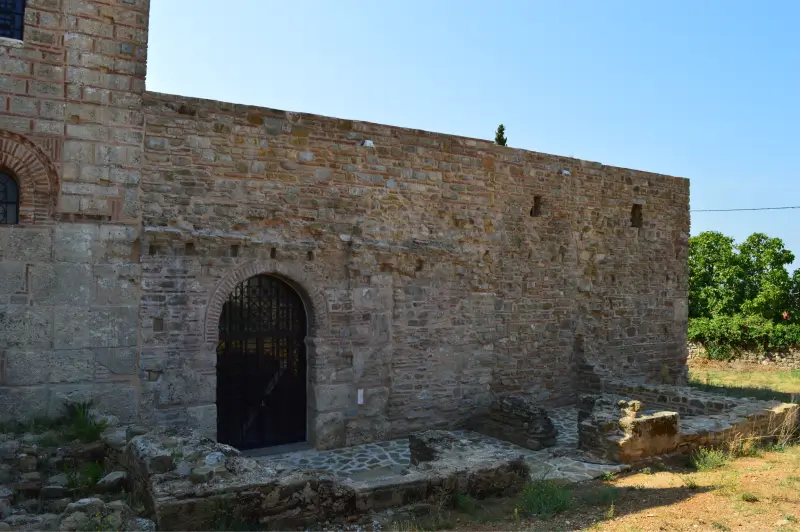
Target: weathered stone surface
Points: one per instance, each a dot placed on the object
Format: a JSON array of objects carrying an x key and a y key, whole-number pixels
[
  {"x": 517, "y": 419},
  {"x": 114, "y": 481},
  {"x": 281, "y": 498}
]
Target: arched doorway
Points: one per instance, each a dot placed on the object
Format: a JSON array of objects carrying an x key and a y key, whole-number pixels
[{"x": 261, "y": 365}]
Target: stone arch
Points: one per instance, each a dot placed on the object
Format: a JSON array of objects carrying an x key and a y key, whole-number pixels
[
  {"x": 290, "y": 272},
  {"x": 35, "y": 173}
]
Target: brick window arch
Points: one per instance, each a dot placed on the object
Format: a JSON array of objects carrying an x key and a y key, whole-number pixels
[
  {"x": 34, "y": 176},
  {"x": 12, "y": 18},
  {"x": 9, "y": 199}
]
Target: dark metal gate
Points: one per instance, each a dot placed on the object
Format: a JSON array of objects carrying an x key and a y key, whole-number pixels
[{"x": 261, "y": 365}]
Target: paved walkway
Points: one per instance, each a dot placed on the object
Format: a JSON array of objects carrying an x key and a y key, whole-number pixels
[{"x": 388, "y": 458}]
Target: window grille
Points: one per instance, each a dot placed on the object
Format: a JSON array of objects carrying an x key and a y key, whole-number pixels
[
  {"x": 9, "y": 200},
  {"x": 12, "y": 18}
]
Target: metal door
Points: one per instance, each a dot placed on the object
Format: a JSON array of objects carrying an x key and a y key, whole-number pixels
[{"x": 261, "y": 365}]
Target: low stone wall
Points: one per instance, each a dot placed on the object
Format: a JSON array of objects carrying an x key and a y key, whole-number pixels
[
  {"x": 789, "y": 359},
  {"x": 618, "y": 428},
  {"x": 193, "y": 483},
  {"x": 681, "y": 399},
  {"x": 517, "y": 419}
]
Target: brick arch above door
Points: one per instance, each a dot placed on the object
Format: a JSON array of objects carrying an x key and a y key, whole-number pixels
[{"x": 35, "y": 174}]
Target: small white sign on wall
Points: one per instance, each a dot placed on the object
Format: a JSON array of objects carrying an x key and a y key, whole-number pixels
[{"x": 361, "y": 396}]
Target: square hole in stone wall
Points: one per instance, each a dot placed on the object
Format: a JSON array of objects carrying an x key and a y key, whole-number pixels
[
  {"x": 637, "y": 219},
  {"x": 158, "y": 324},
  {"x": 536, "y": 210}
]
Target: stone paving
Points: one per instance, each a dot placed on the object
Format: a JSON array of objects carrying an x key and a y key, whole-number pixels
[{"x": 389, "y": 458}]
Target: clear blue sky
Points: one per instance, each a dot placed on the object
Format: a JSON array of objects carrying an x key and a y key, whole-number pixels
[{"x": 708, "y": 90}]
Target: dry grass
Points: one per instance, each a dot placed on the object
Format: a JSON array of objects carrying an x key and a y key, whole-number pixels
[
  {"x": 745, "y": 494},
  {"x": 754, "y": 378}
]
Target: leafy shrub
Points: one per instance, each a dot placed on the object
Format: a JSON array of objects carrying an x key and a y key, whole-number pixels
[
  {"x": 79, "y": 425},
  {"x": 723, "y": 335},
  {"x": 704, "y": 459}
]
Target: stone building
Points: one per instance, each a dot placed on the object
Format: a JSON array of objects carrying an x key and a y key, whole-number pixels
[{"x": 274, "y": 277}]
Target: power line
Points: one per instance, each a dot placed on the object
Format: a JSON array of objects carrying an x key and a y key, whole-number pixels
[{"x": 755, "y": 209}]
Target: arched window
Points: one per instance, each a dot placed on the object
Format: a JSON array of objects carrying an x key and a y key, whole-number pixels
[
  {"x": 9, "y": 200},
  {"x": 12, "y": 18}
]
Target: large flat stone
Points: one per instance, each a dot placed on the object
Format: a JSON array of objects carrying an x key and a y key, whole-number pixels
[
  {"x": 26, "y": 327},
  {"x": 75, "y": 242},
  {"x": 12, "y": 278},
  {"x": 77, "y": 328},
  {"x": 26, "y": 244},
  {"x": 22, "y": 404},
  {"x": 62, "y": 284}
]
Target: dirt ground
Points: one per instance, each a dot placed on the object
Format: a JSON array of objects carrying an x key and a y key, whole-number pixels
[
  {"x": 753, "y": 493},
  {"x": 748, "y": 494}
]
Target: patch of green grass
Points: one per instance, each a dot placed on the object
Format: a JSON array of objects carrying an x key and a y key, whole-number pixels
[
  {"x": 646, "y": 471},
  {"x": 609, "y": 476},
  {"x": 690, "y": 483},
  {"x": 749, "y": 497},
  {"x": 86, "y": 478},
  {"x": 705, "y": 459},
  {"x": 790, "y": 518},
  {"x": 545, "y": 498},
  {"x": 76, "y": 424},
  {"x": 610, "y": 512},
  {"x": 719, "y": 526},
  {"x": 79, "y": 425},
  {"x": 766, "y": 385}
]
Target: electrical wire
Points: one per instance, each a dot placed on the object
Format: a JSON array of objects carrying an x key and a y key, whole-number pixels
[{"x": 754, "y": 209}]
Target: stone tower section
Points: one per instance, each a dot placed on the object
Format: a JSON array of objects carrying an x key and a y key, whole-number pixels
[{"x": 71, "y": 131}]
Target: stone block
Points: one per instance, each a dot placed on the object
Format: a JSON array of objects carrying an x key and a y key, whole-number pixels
[
  {"x": 12, "y": 278},
  {"x": 117, "y": 291},
  {"x": 117, "y": 399},
  {"x": 27, "y": 244},
  {"x": 22, "y": 404},
  {"x": 203, "y": 419},
  {"x": 182, "y": 385},
  {"x": 72, "y": 366},
  {"x": 75, "y": 242},
  {"x": 333, "y": 397},
  {"x": 115, "y": 361},
  {"x": 329, "y": 430},
  {"x": 62, "y": 284},
  {"x": 26, "y": 327},
  {"x": 26, "y": 368},
  {"x": 91, "y": 327}
]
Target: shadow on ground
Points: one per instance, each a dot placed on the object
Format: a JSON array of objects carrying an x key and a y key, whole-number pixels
[{"x": 765, "y": 394}]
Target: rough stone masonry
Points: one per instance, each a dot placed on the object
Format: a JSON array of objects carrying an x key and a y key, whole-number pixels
[{"x": 436, "y": 271}]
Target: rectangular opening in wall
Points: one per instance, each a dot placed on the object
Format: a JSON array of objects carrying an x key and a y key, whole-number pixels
[
  {"x": 273, "y": 253},
  {"x": 234, "y": 250},
  {"x": 188, "y": 249},
  {"x": 158, "y": 324},
  {"x": 310, "y": 255},
  {"x": 152, "y": 249},
  {"x": 536, "y": 210},
  {"x": 636, "y": 216}
]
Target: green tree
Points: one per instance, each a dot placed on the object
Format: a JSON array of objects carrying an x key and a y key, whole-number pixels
[
  {"x": 749, "y": 278},
  {"x": 766, "y": 283},
  {"x": 500, "y": 135},
  {"x": 714, "y": 276}
]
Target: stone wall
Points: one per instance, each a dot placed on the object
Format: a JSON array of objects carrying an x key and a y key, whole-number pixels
[
  {"x": 71, "y": 132},
  {"x": 789, "y": 359},
  {"x": 431, "y": 283},
  {"x": 430, "y": 280}
]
